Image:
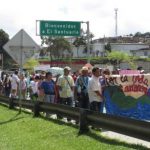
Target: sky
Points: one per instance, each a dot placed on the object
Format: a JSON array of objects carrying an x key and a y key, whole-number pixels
[{"x": 133, "y": 15}]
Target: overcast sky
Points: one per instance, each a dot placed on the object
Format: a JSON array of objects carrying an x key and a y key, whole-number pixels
[{"x": 133, "y": 15}]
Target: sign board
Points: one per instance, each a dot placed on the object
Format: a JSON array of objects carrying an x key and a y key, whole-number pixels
[
  {"x": 21, "y": 44},
  {"x": 60, "y": 28}
]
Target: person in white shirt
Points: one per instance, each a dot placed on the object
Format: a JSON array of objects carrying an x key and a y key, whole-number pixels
[
  {"x": 65, "y": 85},
  {"x": 34, "y": 88},
  {"x": 14, "y": 84},
  {"x": 95, "y": 90}
]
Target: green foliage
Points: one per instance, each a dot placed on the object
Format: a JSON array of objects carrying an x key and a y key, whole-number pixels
[
  {"x": 133, "y": 65},
  {"x": 91, "y": 36},
  {"x": 141, "y": 59},
  {"x": 8, "y": 61},
  {"x": 30, "y": 64},
  {"x": 107, "y": 47},
  {"x": 139, "y": 34},
  {"x": 4, "y": 38},
  {"x": 116, "y": 57},
  {"x": 79, "y": 41},
  {"x": 56, "y": 46}
]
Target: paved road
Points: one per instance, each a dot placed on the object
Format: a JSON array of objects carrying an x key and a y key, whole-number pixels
[{"x": 124, "y": 138}]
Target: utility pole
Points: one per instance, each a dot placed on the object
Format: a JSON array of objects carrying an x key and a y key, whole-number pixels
[
  {"x": 116, "y": 22},
  {"x": 21, "y": 68},
  {"x": 88, "y": 41}
]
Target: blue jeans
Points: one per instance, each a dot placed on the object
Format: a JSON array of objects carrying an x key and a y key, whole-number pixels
[{"x": 49, "y": 98}]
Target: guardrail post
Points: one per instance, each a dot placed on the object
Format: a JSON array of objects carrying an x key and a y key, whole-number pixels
[
  {"x": 11, "y": 103},
  {"x": 83, "y": 121},
  {"x": 36, "y": 110}
]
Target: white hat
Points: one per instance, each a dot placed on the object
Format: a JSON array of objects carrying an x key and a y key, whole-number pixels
[
  {"x": 84, "y": 68},
  {"x": 67, "y": 68}
]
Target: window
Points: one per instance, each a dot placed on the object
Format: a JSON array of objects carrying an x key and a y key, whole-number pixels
[{"x": 145, "y": 54}]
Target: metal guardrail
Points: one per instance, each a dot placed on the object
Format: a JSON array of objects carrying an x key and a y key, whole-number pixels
[
  {"x": 4, "y": 99},
  {"x": 131, "y": 127}
]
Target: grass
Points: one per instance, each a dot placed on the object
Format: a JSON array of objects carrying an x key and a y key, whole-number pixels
[{"x": 23, "y": 132}]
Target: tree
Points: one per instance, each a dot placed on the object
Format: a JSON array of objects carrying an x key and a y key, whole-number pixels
[
  {"x": 91, "y": 36},
  {"x": 147, "y": 34},
  {"x": 4, "y": 38},
  {"x": 59, "y": 46},
  {"x": 138, "y": 34},
  {"x": 42, "y": 53},
  {"x": 47, "y": 41},
  {"x": 116, "y": 57},
  {"x": 56, "y": 46},
  {"x": 107, "y": 47},
  {"x": 79, "y": 41},
  {"x": 30, "y": 64}
]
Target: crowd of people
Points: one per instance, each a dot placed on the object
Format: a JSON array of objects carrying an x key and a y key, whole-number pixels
[{"x": 83, "y": 89}]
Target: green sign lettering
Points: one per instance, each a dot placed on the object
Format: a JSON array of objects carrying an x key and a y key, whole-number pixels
[{"x": 60, "y": 28}]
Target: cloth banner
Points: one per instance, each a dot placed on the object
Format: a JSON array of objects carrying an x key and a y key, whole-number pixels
[{"x": 128, "y": 95}]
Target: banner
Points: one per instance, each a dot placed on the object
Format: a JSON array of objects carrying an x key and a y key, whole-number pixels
[{"x": 129, "y": 96}]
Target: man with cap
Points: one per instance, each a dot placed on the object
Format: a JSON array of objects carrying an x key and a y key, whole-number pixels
[
  {"x": 65, "y": 85},
  {"x": 81, "y": 85}
]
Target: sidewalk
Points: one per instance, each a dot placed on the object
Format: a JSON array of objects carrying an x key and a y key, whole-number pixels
[{"x": 125, "y": 138}]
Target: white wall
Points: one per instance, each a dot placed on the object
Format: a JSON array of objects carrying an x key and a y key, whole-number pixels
[
  {"x": 126, "y": 47},
  {"x": 79, "y": 52}
]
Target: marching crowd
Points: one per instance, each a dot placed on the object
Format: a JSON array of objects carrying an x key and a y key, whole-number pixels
[{"x": 84, "y": 89}]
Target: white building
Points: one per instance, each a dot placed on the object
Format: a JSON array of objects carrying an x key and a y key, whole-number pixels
[
  {"x": 133, "y": 49},
  {"x": 98, "y": 49}
]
